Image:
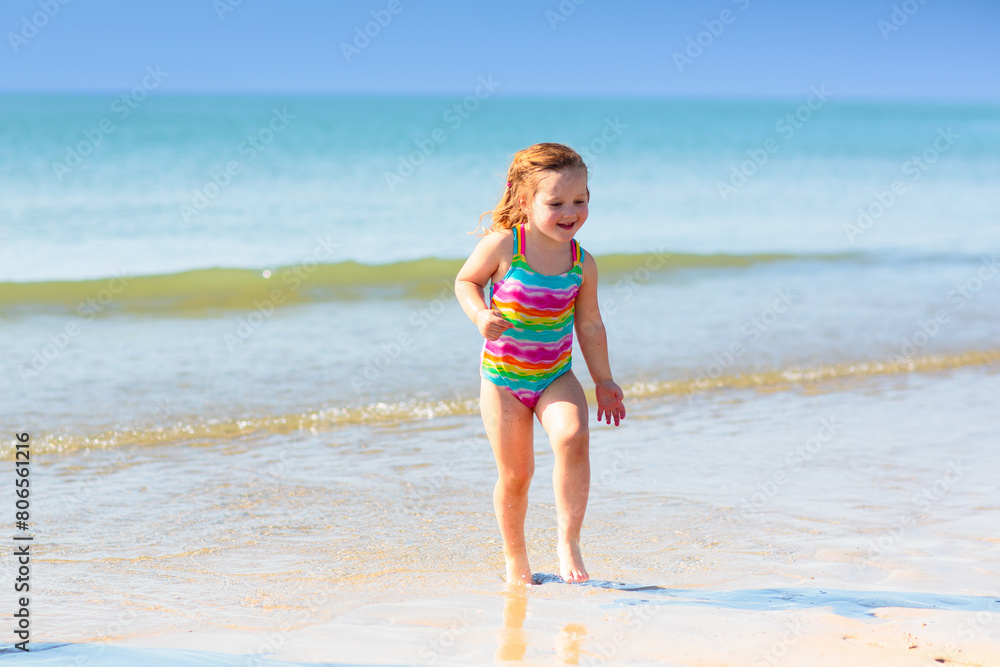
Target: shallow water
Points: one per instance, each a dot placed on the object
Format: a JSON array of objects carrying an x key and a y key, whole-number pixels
[
  {"x": 732, "y": 499},
  {"x": 246, "y": 442}
]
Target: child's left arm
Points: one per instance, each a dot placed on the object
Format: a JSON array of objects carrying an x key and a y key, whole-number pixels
[{"x": 594, "y": 344}]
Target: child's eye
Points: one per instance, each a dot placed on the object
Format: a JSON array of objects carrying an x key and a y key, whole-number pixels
[{"x": 556, "y": 205}]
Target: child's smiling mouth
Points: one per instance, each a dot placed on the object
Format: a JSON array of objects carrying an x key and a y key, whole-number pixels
[{"x": 566, "y": 225}]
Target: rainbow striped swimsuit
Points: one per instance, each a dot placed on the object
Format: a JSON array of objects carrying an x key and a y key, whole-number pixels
[{"x": 526, "y": 358}]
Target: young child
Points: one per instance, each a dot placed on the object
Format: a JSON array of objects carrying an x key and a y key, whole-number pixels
[{"x": 543, "y": 284}]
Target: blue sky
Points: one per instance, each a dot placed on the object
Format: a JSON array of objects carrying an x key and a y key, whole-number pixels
[{"x": 934, "y": 50}]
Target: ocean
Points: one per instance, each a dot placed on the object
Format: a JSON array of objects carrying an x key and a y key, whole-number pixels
[{"x": 229, "y": 327}]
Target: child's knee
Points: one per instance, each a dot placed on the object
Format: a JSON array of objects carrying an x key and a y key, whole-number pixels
[
  {"x": 574, "y": 441},
  {"x": 578, "y": 432},
  {"x": 517, "y": 480}
]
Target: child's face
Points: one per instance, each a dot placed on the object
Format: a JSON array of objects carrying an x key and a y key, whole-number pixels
[{"x": 559, "y": 207}]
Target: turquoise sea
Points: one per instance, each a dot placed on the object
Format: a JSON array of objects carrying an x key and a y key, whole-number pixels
[{"x": 228, "y": 325}]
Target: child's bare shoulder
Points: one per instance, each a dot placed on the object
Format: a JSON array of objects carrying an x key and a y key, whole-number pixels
[
  {"x": 498, "y": 243},
  {"x": 490, "y": 259},
  {"x": 498, "y": 237},
  {"x": 589, "y": 267},
  {"x": 497, "y": 250}
]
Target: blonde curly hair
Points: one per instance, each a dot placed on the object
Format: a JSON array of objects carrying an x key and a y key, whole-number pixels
[{"x": 522, "y": 181}]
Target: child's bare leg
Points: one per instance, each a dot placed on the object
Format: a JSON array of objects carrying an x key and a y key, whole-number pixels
[
  {"x": 562, "y": 409},
  {"x": 509, "y": 425}
]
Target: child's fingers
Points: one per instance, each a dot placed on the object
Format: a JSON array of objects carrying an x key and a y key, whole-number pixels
[
  {"x": 606, "y": 414},
  {"x": 497, "y": 325},
  {"x": 505, "y": 323},
  {"x": 611, "y": 407}
]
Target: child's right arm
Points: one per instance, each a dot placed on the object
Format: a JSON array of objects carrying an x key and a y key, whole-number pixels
[{"x": 472, "y": 278}]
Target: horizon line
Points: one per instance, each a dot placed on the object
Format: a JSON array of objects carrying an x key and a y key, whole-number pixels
[{"x": 511, "y": 96}]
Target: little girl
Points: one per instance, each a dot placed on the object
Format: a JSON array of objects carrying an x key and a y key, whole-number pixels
[{"x": 543, "y": 284}]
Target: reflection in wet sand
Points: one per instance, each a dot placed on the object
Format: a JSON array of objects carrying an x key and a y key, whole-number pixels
[
  {"x": 515, "y": 609},
  {"x": 513, "y": 644},
  {"x": 569, "y": 643}
]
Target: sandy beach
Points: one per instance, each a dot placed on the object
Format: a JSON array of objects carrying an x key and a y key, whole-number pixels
[{"x": 876, "y": 548}]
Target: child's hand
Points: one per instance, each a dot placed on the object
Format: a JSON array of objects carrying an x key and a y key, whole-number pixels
[
  {"x": 491, "y": 323},
  {"x": 609, "y": 401}
]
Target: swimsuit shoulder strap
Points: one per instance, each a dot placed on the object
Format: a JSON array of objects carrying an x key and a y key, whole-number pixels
[
  {"x": 518, "y": 254},
  {"x": 578, "y": 253}
]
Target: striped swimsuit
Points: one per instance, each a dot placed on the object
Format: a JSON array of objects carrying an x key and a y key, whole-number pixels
[{"x": 527, "y": 357}]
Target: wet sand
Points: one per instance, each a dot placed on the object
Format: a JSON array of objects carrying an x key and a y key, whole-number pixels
[{"x": 828, "y": 525}]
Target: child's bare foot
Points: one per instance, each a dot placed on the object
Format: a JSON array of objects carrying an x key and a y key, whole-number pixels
[
  {"x": 571, "y": 567},
  {"x": 518, "y": 570}
]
